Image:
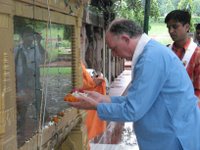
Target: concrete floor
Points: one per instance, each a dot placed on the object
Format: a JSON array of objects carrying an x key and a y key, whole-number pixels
[{"x": 112, "y": 147}]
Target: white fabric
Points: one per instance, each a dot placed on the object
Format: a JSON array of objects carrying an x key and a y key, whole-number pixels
[
  {"x": 139, "y": 49},
  {"x": 188, "y": 53}
]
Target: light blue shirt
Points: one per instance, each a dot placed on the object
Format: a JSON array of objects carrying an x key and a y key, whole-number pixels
[{"x": 160, "y": 102}]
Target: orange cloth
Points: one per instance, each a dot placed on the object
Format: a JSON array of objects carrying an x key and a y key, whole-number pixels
[
  {"x": 94, "y": 125},
  {"x": 193, "y": 68}
]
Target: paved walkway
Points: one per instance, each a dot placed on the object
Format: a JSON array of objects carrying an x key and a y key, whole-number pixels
[{"x": 112, "y": 147}]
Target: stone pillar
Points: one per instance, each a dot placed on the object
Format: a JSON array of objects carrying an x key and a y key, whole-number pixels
[
  {"x": 77, "y": 138},
  {"x": 7, "y": 79}
]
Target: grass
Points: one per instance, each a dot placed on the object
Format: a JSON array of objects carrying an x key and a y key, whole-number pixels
[
  {"x": 158, "y": 28},
  {"x": 159, "y": 32},
  {"x": 55, "y": 70}
]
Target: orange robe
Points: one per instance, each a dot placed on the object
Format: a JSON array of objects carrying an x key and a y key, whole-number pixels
[{"x": 94, "y": 125}]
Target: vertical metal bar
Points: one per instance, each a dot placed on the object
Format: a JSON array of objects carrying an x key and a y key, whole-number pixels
[
  {"x": 146, "y": 15},
  {"x": 104, "y": 54}
]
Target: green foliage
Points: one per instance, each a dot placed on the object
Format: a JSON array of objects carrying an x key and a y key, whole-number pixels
[
  {"x": 169, "y": 6},
  {"x": 161, "y": 19},
  {"x": 175, "y": 3},
  {"x": 196, "y": 7},
  {"x": 186, "y": 5},
  {"x": 165, "y": 6},
  {"x": 134, "y": 10},
  {"x": 196, "y": 19},
  {"x": 67, "y": 32},
  {"x": 95, "y": 10},
  {"x": 130, "y": 10},
  {"x": 154, "y": 10}
]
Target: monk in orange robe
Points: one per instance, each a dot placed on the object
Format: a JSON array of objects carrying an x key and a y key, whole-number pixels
[{"x": 94, "y": 125}]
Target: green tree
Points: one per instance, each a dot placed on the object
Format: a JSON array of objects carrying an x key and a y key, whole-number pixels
[
  {"x": 175, "y": 3},
  {"x": 162, "y": 7},
  {"x": 130, "y": 9},
  {"x": 134, "y": 9},
  {"x": 165, "y": 6},
  {"x": 196, "y": 7},
  {"x": 169, "y": 6},
  {"x": 154, "y": 10},
  {"x": 186, "y": 4}
]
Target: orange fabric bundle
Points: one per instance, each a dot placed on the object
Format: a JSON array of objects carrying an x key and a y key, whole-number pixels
[
  {"x": 94, "y": 125},
  {"x": 70, "y": 98}
]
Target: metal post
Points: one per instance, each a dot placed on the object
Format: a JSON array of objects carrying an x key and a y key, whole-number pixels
[{"x": 146, "y": 15}]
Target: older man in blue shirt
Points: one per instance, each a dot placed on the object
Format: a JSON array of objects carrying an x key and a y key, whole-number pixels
[{"x": 160, "y": 101}]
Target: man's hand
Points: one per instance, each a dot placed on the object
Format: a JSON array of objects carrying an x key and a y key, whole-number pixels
[{"x": 91, "y": 101}]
